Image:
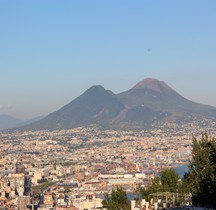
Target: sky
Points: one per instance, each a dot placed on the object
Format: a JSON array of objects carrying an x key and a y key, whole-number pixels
[{"x": 51, "y": 51}]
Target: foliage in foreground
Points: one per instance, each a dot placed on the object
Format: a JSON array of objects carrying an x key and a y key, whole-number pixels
[
  {"x": 200, "y": 181},
  {"x": 168, "y": 181},
  {"x": 117, "y": 200},
  {"x": 202, "y": 172}
]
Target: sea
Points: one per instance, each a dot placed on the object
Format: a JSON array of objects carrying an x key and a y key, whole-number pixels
[{"x": 181, "y": 170}]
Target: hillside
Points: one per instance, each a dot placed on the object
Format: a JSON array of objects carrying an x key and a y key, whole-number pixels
[{"x": 147, "y": 102}]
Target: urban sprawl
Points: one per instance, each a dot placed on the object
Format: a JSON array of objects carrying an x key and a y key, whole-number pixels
[{"x": 73, "y": 169}]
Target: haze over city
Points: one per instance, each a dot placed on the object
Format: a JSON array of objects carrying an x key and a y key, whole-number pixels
[{"x": 52, "y": 51}]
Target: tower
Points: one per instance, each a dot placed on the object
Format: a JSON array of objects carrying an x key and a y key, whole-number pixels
[{"x": 20, "y": 169}]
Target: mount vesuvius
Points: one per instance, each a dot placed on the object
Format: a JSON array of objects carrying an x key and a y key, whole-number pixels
[{"x": 147, "y": 102}]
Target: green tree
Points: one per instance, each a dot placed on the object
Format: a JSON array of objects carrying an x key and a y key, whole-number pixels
[
  {"x": 153, "y": 188},
  {"x": 169, "y": 180},
  {"x": 117, "y": 200},
  {"x": 202, "y": 172}
]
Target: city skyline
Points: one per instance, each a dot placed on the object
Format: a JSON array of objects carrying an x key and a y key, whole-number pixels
[{"x": 51, "y": 52}]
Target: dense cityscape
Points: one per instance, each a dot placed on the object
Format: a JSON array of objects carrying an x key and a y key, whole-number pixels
[{"x": 73, "y": 169}]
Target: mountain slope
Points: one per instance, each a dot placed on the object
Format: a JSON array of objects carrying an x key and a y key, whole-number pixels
[
  {"x": 150, "y": 92},
  {"x": 94, "y": 106},
  {"x": 157, "y": 95},
  {"x": 9, "y": 122},
  {"x": 147, "y": 102}
]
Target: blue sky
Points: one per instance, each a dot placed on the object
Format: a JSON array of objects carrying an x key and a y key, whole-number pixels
[{"x": 51, "y": 51}]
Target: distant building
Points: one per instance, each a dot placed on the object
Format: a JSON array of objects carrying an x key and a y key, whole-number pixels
[
  {"x": 20, "y": 168},
  {"x": 27, "y": 185},
  {"x": 23, "y": 201}
]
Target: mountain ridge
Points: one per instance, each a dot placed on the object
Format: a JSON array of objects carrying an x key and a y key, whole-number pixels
[
  {"x": 95, "y": 105},
  {"x": 10, "y": 122},
  {"x": 147, "y": 102}
]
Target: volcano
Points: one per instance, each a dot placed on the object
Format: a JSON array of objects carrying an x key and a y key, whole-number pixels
[{"x": 147, "y": 102}]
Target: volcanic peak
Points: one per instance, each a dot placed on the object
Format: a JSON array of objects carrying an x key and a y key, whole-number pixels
[{"x": 153, "y": 84}]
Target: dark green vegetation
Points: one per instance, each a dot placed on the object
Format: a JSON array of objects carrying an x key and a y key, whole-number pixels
[
  {"x": 169, "y": 187},
  {"x": 148, "y": 102},
  {"x": 36, "y": 190},
  {"x": 199, "y": 183},
  {"x": 117, "y": 200},
  {"x": 201, "y": 177}
]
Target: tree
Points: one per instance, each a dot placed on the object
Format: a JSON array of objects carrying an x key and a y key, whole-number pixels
[
  {"x": 153, "y": 188},
  {"x": 117, "y": 200},
  {"x": 202, "y": 172},
  {"x": 169, "y": 180}
]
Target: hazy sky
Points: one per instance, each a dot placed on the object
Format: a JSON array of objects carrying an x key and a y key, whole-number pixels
[{"x": 51, "y": 51}]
